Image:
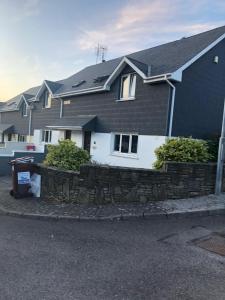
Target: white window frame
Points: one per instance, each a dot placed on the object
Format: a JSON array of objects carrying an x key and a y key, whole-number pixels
[
  {"x": 47, "y": 100},
  {"x": 22, "y": 138},
  {"x": 121, "y": 86},
  {"x": 67, "y": 102},
  {"x": 43, "y": 137},
  {"x": 129, "y": 153}
]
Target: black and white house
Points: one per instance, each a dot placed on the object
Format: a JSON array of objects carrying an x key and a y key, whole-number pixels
[{"x": 121, "y": 110}]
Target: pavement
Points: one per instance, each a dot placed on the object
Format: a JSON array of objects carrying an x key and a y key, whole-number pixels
[
  {"x": 131, "y": 260},
  {"x": 40, "y": 208}
]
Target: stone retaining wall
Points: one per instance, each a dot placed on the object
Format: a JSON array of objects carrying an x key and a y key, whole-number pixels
[{"x": 106, "y": 184}]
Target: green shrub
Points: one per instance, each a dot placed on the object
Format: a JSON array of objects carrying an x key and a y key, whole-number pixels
[
  {"x": 182, "y": 150},
  {"x": 66, "y": 155},
  {"x": 213, "y": 145}
]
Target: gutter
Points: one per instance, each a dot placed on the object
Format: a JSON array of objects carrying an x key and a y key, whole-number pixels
[{"x": 79, "y": 92}]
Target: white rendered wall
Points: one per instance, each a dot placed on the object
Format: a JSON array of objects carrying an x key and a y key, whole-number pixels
[
  {"x": 102, "y": 151},
  {"x": 56, "y": 136},
  {"x": 77, "y": 137}
]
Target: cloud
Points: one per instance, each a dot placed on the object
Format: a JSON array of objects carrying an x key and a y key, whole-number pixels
[{"x": 147, "y": 23}]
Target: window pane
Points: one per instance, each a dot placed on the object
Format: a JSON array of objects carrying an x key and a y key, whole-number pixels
[
  {"x": 134, "y": 144},
  {"x": 117, "y": 143},
  {"x": 132, "y": 85},
  {"x": 125, "y": 87},
  {"x": 46, "y": 136},
  {"x": 49, "y": 100},
  {"x": 125, "y": 143},
  {"x": 50, "y": 136}
]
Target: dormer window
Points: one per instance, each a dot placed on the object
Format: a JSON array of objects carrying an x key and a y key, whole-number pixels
[
  {"x": 47, "y": 99},
  {"x": 24, "y": 110},
  {"x": 128, "y": 86}
]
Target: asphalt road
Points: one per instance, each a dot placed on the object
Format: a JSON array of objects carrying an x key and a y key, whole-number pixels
[{"x": 103, "y": 260}]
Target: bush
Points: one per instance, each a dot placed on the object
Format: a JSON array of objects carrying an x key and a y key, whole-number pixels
[
  {"x": 66, "y": 155},
  {"x": 182, "y": 150},
  {"x": 213, "y": 145}
]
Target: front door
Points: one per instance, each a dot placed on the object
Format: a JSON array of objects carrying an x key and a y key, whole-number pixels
[
  {"x": 87, "y": 141},
  {"x": 68, "y": 135}
]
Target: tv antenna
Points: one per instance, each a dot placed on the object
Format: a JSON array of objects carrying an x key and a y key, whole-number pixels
[{"x": 100, "y": 53}]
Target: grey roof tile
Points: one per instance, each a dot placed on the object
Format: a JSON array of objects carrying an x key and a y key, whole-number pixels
[{"x": 162, "y": 59}]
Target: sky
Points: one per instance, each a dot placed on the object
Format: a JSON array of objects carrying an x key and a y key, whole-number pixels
[{"x": 53, "y": 39}]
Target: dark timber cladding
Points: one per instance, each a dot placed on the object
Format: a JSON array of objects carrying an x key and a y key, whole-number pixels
[
  {"x": 146, "y": 115},
  {"x": 21, "y": 124},
  {"x": 45, "y": 116},
  {"x": 200, "y": 97}
]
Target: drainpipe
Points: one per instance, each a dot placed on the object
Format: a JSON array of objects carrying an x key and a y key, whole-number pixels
[
  {"x": 30, "y": 120},
  {"x": 61, "y": 108},
  {"x": 172, "y": 106}
]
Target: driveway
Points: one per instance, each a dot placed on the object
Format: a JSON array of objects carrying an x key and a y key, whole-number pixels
[{"x": 109, "y": 260}]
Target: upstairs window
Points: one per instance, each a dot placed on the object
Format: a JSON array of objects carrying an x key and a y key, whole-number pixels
[
  {"x": 126, "y": 143},
  {"x": 24, "y": 110},
  {"x": 47, "y": 100},
  {"x": 128, "y": 86},
  {"x": 46, "y": 136},
  {"x": 67, "y": 102}
]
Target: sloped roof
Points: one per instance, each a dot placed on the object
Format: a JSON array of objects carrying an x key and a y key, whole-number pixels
[
  {"x": 162, "y": 59},
  {"x": 6, "y": 128},
  {"x": 78, "y": 122},
  {"x": 13, "y": 103}
]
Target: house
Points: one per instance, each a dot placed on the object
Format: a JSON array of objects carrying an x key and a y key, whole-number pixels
[{"x": 121, "y": 110}]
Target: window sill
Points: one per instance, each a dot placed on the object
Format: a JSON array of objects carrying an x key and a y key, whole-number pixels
[
  {"x": 46, "y": 143},
  {"x": 125, "y": 99},
  {"x": 46, "y": 107},
  {"x": 125, "y": 155}
]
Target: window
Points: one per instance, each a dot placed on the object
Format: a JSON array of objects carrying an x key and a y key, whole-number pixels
[
  {"x": 24, "y": 109},
  {"x": 22, "y": 138},
  {"x": 126, "y": 143},
  {"x": 47, "y": 100},
  {"x": 46, "y": 136},
  {"x": 128, "y": 86},
  {"x": 66, "y": 102}
]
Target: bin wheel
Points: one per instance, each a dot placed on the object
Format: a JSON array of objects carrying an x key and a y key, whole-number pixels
[{"x": 11, "y": 193}]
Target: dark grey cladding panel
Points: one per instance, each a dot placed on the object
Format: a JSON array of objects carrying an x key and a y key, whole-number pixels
[
  {"x": 21, "y": 124},
  {"x": 45, "y": 116},
  {"x": 6, "y": 128},
  {"x": 147, "y": 114},
  {"x": 200, "y": 97}
]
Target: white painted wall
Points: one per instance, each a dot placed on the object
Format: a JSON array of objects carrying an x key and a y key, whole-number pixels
[
  {"x": 14, "y": 137},
  {"x": 102, "y": 151},
  {"x": 11, "y": 147},
  {"x": 77, "y": 137},
  {"x": 56, "y": 136}
]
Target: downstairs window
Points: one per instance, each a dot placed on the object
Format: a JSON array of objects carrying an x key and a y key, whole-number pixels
[
  {"x": 126, "y": 143},
  {"x": 22, "y": 138},
  {"x": 46, "y": 136}
]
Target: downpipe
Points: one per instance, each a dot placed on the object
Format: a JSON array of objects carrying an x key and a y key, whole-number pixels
[{"x": 172, "y": 106}]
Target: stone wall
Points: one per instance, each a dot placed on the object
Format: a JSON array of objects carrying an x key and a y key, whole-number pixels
[{"x": 106, "y": 184}]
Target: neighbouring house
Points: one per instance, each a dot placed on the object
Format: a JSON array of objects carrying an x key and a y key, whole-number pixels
[{"x": 121, "y": 110}]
